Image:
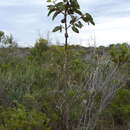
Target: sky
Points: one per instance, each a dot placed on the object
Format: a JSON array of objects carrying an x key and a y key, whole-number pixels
[{"x": 27, "y": 21}]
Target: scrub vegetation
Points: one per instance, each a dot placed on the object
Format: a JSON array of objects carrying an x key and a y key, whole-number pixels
[{"x": 69, "y": 87}]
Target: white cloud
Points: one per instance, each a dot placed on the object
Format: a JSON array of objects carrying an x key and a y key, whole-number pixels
[
  {"x": 24, "y": 18},
  {"x": 114, "y": 31},
  {"x": 20, "y": 2}
]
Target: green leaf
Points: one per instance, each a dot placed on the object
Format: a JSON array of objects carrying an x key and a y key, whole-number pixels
[
  {"x": 57, "y": 28},
  {"x": 59, "y": 4},
  {"x": 73, "y": 19},
  {"x": 49, "y": 0},
  {"x": 88, "y": 18},
  {"x": 50, "y": 11},
  {"x": 51, "y": 7},
  {"x": 55, "y": 14},
  {"x": 1, "y": 33},
  {"x": 75, "y": 29},
  {"x": 74, "y": 4},
  {"x": 79, "y": 25},
  {"x": 78, "y": 12},
  {"x": 92, "y": 22}
]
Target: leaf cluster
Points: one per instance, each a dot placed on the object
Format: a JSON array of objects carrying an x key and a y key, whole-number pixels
[{"x": 71, "y": 9}]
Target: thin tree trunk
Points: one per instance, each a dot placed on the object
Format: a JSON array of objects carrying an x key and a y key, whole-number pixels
[
  {"x": 66, "y": 108},
  {"x": 66, "y": 45}
]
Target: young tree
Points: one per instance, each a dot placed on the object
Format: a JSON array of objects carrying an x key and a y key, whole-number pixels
[
  {"x": 7, "y": 40},
  {"x": 73, "y": 19},
  {"x": 72, "y": 16},
  {"x": 1, "y": 35}
]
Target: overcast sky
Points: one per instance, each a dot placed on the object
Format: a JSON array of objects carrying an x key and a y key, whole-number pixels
[{"x": 27, "y": 20}]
